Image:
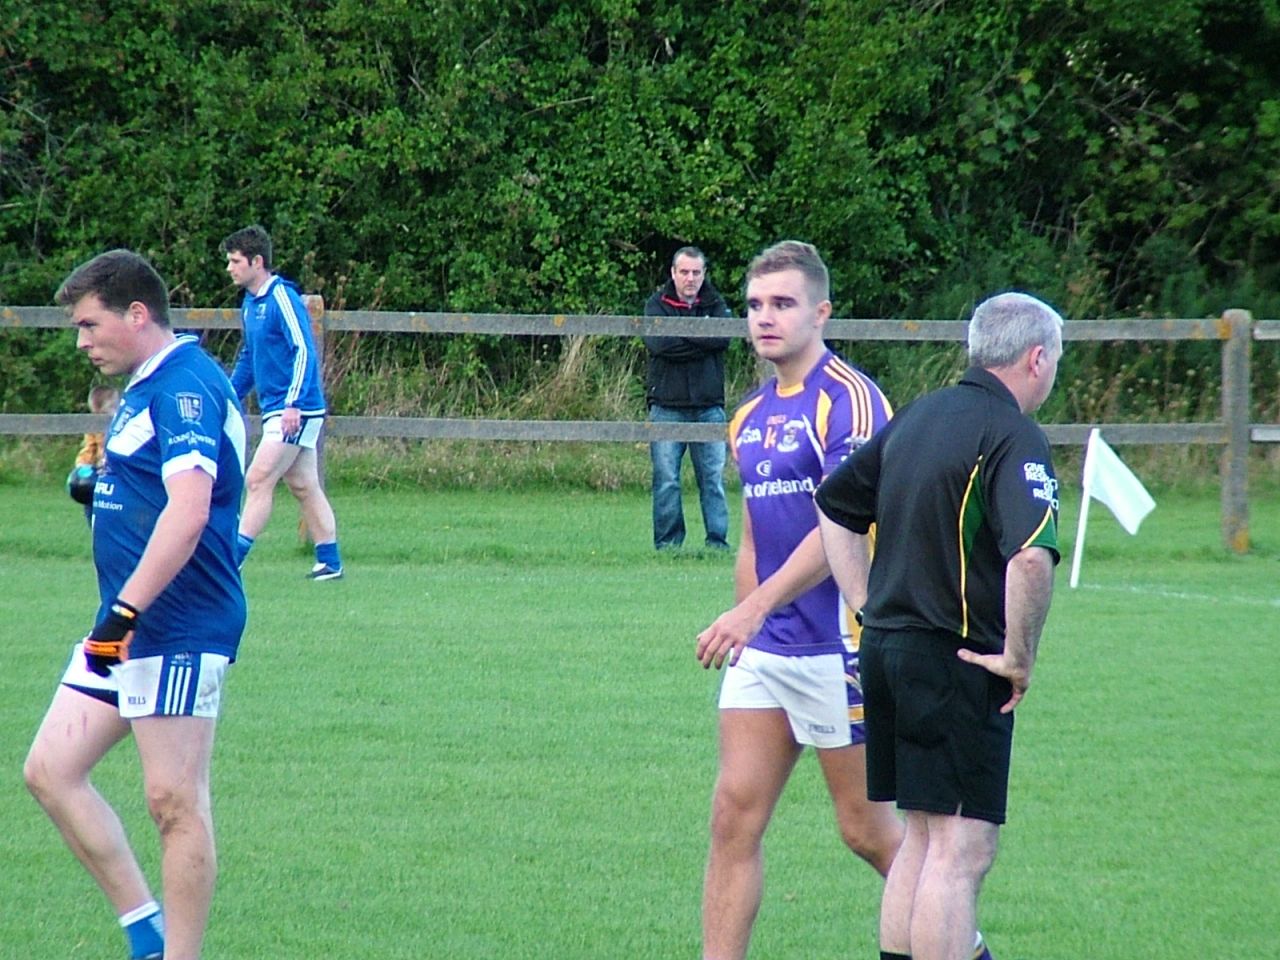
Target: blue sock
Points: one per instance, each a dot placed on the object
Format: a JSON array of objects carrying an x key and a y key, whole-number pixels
[
  {"x": 145, "y": 929},
  {"x": 243, "y": 546},
  {"x": 327, "y": 553}
]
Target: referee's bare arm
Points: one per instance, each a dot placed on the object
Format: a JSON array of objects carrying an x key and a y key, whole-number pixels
[
  {"x": 1028, "y": 588},
  {"x": 849, "y": 559}
]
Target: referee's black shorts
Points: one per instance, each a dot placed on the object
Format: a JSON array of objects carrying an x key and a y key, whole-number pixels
[{"x": 936, "y": 739}]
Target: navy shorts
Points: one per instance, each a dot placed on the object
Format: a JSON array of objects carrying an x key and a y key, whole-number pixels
[{"x": 936, "y": 739}]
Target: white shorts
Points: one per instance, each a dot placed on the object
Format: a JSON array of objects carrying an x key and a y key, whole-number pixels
[
  {"x": 169, "y": 685},
  {"x": 308, "y": 436},
  {"x": 813, "y": 692}
]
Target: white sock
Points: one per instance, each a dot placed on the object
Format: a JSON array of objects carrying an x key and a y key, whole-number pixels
[{"x": 139, "y": 913}]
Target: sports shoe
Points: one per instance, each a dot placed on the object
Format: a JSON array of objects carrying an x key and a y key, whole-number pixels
[{"x": 322, "y": 571}]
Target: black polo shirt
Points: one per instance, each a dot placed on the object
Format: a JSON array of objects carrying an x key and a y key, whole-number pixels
[{"x": 957, "y": 483}]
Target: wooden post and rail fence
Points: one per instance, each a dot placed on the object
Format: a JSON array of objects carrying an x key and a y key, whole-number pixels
[{"x": 1235, "y": 330}]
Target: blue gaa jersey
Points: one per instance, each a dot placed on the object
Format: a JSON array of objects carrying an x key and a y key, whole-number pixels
[
  {"x": 177, "y": 413},
  {"x": 278, "y": 355},
  {"x": 785, "y": 442}
]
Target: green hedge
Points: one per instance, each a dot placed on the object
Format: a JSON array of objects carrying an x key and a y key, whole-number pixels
[{"x": 540, "y": 156}]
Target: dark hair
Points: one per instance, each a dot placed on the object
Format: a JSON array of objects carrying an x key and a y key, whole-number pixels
[
  {"x": 689, "y": 252},
  {"x": 117, "y": 278},
  {"x": 252, "y": 241}
]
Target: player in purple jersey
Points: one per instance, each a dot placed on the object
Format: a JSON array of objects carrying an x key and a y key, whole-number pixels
[
  {"x": 789, "y": 643},
  {"x": 164, "y": 522}
]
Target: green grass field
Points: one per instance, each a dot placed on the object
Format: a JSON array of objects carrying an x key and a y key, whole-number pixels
[{"x": 492, "y": 740}]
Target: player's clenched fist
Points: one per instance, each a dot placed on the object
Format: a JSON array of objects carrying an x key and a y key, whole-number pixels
[{"x": 108, "y": 642}]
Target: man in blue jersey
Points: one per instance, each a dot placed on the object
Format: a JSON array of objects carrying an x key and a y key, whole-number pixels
[
  {"x": 172, "y": 607},
  {"x": 962, "y": 493},
  {"x": 790, "y": 643},
  {"x": 278, "y": 358}
]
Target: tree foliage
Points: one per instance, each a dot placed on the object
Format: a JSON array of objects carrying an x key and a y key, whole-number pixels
[{"x": 535, "y": 156}]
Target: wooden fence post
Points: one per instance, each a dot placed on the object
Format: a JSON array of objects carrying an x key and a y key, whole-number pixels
[
  {"x": 1237, "y": 329},
  {"x": 315, "y": 310}
]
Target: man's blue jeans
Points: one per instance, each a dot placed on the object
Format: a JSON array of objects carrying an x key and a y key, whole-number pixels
[{"x": 708, "y": 467}]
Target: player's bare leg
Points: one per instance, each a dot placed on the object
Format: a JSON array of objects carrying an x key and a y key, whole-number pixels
[
  {"x": 175, "y": 754},
  {"x": 303, "y": 480},
  {"x": 757, "y": 755},
  {"x": 271, "y": 461},
  {"x": 77, "y": 731},
  {"x": 871, "y": 830}
]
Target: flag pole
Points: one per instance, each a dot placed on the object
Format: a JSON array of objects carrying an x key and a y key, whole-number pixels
[{"x": 1086, "y": 494}]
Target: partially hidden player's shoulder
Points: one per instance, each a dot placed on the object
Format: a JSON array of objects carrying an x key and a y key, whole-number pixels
[
  {"x": 281, "y": 290},
  {"x": 749, "y": 403},
  {"x": 191, "y": 364},
  {"x": 835, "y": 374},
  {"x": 752, "y": 399}
]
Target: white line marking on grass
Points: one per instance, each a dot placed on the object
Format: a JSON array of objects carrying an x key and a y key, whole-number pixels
[{"x": 1149, "y": 590}]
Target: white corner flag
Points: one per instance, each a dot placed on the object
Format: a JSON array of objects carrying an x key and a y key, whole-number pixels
[{"x": 1109, "y": 481}]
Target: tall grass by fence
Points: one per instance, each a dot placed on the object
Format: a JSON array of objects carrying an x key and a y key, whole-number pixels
[{"x": 1235, "y": 331}]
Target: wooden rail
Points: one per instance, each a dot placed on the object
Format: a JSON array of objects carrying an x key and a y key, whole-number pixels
[{"x": 1235, "y": 330}]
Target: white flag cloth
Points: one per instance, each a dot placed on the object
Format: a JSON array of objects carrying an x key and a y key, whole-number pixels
[{"x": 1109, "y": 481}]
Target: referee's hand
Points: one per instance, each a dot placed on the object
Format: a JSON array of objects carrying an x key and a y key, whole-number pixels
[{"x": 1001, "y": 665}]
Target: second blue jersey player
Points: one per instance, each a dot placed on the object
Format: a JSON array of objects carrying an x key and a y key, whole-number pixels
[{"x": 278, "y": 359}]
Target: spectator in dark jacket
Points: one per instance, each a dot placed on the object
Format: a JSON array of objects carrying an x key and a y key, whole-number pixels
[{"x": 686, "y": 385}]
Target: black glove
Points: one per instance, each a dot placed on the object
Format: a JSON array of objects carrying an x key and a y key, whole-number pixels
[
  {"x": 80, "y": 483},
  {"x": 108, "y": 643}
]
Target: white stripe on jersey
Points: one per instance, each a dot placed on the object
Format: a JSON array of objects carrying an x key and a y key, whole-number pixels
[
  {"x": 812, "y": 434},
  {"x": 295, "y": 333},
  {"x": 233, "y": 430},
  {"x": 189, "y": 461},
  {"x": 135, "y": 434},
  {"x": 846, "y": 629}
]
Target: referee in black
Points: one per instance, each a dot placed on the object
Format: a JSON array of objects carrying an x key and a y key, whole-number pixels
[{"x": 964, "y": 501}]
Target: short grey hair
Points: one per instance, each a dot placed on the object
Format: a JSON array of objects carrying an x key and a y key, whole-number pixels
[
  {"x": 1005, "y": 326},
  {"x": 689, "y": 252}
]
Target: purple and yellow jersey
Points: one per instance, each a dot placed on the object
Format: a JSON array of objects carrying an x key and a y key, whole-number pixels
[{"x": 784, "y": 442}]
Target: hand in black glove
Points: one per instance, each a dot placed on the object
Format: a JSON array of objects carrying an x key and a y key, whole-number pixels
[{"x": 108, "y": 643}]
